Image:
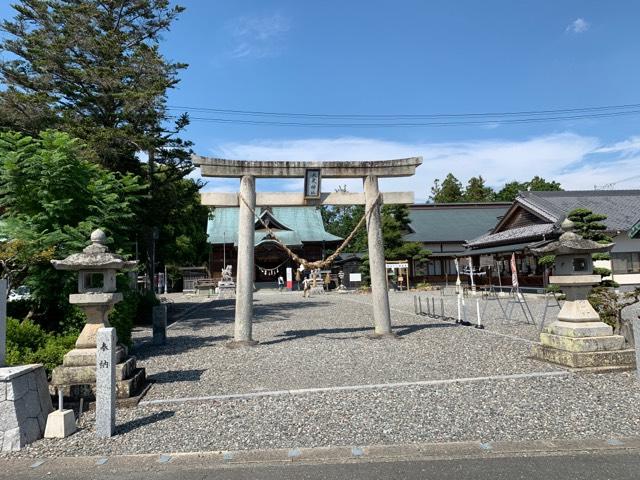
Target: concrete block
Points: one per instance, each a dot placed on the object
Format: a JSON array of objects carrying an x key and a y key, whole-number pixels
[
  {"x": 617, "y": 358},
  {"x": 24, "y": 407},
  {"x": 160, "y": 325},
  {"x": 583, "y": 344},
  {"x": 8, "y": 417},
  {"x": 581, "y": 329},
  {"x": 11, "y": 440},
  {"x": 60, "y": 424},
  {"x": 17, "y": 388},
  {"x": 81, "y": 357}
]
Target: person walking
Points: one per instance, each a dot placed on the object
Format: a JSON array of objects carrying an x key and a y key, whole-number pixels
[
  {"x": 298, "y": 278},
  {"x": 280, "y": 283},
  {"x": 306, "y": 287}
]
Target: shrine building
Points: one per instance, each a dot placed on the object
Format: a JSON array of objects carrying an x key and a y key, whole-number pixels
[{"x": 300, "y": 228}]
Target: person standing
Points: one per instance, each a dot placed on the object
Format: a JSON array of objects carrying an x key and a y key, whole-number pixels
[
  {"x": 306, "y": 287},
  {"x": 298, "y": 278},
  {"x": 280, "y": 283}
]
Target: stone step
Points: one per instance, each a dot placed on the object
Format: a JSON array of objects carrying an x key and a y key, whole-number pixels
[
  {"x": 64, "y": 375},
  {"x": 83, "y": 357},
  {"x": 615, "y": 358},
  {"x": 127, "y": 388}
]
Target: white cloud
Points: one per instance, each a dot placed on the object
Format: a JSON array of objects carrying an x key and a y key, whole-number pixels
[
  {"x": 574, "y": 160},
  {"x": 258, "y": 36},
  {"x": 579, "y": 25},
  {"x": 626, "y": 148},
  {"x": 577, "y": 162}
]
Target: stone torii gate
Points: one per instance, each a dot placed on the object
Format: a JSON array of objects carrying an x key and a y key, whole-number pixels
[{"x": 312, "y": 172}]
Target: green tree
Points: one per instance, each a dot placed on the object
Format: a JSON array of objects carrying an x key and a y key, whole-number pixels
[
  {"x": 477, "y": 191},
  {"x": 341, "y": 220},
  {"x": 93, "y": 68},
  {"x": 52, "y": 199},
  {"x": 510, "y": 191},
  {"x": 449, "y": 191}
]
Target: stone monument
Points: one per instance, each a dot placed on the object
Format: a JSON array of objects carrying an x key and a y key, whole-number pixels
[
  {"x": 105, "y": 383},
  {"x": 24, "y": 405},
  {"x": 578, "y": 338},
  {"x": 96, "y": 296},
  {"x": 226, "y": 286}
]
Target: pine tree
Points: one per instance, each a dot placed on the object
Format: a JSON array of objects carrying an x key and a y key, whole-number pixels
[
  {"x": 92, "y": 68},
  {"x": 476, "y": 191},
  {"x": 449, "y": 191}
]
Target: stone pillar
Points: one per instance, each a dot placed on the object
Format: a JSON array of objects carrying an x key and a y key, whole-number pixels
[
  {"x": 3, "y": 321},
  {"x": 244, "y": 278},
  {"x": 106, "y": 382},
  {"x": 379, "y": 290},
  {"x": 159, "y": 318},
  {"x": 636, "y": 341}
]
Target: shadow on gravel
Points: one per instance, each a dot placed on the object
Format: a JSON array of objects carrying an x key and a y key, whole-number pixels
[
  {"x": 401, "y": 331},
  {"x": 143, "y": 421},
  {"x": 171, "y": 376},
  {"x": 176, "y": 345}
]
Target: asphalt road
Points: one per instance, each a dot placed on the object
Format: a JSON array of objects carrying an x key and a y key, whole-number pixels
[{"x": 591, "y": 466}]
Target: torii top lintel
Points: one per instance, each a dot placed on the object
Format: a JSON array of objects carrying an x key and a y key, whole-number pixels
[{"x": 218, "y": 167}]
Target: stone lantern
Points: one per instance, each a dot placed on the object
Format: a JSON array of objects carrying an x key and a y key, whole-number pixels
[
  {"x": 96, "y": 296},
  {"x": 578, "y": 338}
]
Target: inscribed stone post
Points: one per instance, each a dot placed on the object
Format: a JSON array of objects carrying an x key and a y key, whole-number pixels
[
  {"x": 106, "y": 342},
  {"x": 636, "y": 338},
  {"x": 160, "y": 325},
  {"x": 3, "y": 321}
]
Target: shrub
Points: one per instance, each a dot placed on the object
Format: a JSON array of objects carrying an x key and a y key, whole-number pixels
[
  {"x": 123, "y": 316},
  {"x": 27, "y": 343}
]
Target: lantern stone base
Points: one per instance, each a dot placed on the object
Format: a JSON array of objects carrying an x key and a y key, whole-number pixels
[
  {"x": 76, "y": 377},
  {"x": 583, "y": 345}
]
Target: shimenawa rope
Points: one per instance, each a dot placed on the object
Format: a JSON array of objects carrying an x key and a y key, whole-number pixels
[{"x": 318, "y": 263}]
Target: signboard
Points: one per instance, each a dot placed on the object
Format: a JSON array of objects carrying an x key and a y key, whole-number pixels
[
  {"x": 355, "y": 277},
  {"x": 486, "y": 260},
  {"x": 312, "y": 183},
  {"x": 397, "y": 265},
  {"x": 289, "y": 278}
]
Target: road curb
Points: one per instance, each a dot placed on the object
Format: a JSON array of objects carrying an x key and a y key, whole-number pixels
[{"x": 335, "y": 455}]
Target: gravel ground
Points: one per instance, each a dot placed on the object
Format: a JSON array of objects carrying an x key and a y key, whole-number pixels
[
  {"x": 322, "y": 342},
  {"x": 575, "y": 406}
]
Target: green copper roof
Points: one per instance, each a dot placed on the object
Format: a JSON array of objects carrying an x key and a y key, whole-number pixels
[{"x": 304, "y": 224}]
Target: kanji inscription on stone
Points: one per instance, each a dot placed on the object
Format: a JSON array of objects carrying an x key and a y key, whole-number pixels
[{"x": 106, "y": 382}]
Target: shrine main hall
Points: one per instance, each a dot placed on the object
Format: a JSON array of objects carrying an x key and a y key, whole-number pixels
[{"x": 300, "y": 228}]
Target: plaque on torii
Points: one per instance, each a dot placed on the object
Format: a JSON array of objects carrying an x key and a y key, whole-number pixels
[{"x": 247, "y": 200}]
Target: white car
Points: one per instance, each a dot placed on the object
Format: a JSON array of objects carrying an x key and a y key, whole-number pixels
[{"x": 20, "y": 293}]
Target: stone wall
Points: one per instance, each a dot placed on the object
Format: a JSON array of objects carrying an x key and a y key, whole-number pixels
[{"x": 24, "y": 405}]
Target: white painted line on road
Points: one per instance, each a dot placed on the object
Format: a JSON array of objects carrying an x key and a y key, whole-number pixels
[
  {"x": 490, "y": 332},
  {"x": 377, "y": 386}
]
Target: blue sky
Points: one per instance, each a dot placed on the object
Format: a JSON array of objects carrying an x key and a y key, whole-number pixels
[{"x": 417, "y": 57}]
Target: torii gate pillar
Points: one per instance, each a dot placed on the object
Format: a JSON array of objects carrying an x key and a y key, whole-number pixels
[
  {"x": 247, "y": 200},
  {"x": 244, "y": 284},
  {"x": 377, "y": 269}
]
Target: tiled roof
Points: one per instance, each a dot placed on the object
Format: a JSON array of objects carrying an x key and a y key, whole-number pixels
[
  {"x": 452, "y": 222},
  {"x": 520, "y": 234},
  {"x": 306, "y": 224},
  {"x": 622, "y": 207}
]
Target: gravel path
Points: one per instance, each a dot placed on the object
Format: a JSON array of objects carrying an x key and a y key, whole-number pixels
[
  {"x": 322, "y": 342},
  {"x": 574, "y": 406}
]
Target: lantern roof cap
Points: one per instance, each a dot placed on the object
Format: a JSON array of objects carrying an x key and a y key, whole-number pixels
[
  {"x": 94, "y": 257},
  {"x": 570, "y": 243}
]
